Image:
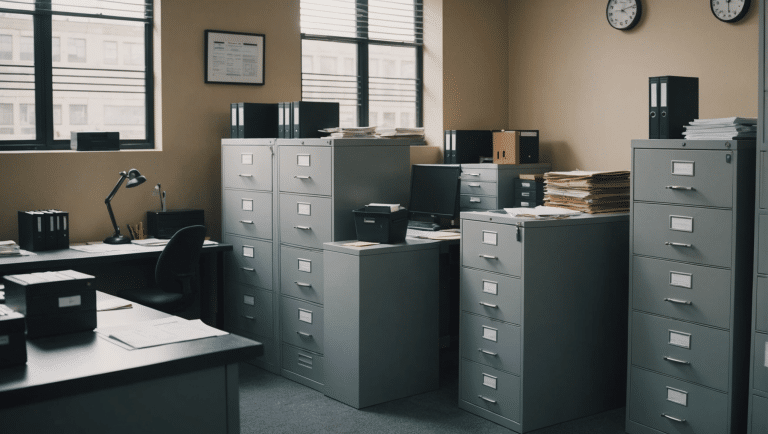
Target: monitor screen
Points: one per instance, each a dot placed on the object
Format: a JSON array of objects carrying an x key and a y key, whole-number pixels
[{"x": 435, "y": 190}]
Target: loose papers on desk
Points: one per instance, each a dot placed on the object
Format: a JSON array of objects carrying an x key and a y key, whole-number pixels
[
  {"x": 591, "y": 192},
  {"x": 721, "y": 129},
  {"x": 159, "y": 332},
  {"x": 541, "y": 212}
]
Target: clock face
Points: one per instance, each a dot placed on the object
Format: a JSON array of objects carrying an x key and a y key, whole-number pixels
[
  {"x": 624, "y": 14},
  {"x": 729, "y": 10}
]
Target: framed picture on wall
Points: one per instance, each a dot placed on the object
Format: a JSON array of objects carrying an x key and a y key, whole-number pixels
[{"x": 234, "y": 58}]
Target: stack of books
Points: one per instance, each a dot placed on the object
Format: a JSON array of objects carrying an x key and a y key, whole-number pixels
[
  {"x": 400, "y": 133},
  {"x": 589, "y": 192},
  {"x": 721, "y": 129},
  {"x": 350, "y": 132},
  {"x": 9, "y": 248}
]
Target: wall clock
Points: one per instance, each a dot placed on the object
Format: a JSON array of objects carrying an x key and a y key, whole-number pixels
[
  {"x": 625, "y": 14},
  {"x": 729, "y": 11}
]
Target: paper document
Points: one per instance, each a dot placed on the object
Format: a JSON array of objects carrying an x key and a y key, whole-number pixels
[
  {"x": 112, "y": 304},
  {"x": 104, "y": 248},
  {"x": 541, "y": 212},
  {"x": 160, "y": 332}
]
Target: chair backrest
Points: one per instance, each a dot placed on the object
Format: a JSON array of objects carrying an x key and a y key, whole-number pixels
[{"x": 179, "y": 259}]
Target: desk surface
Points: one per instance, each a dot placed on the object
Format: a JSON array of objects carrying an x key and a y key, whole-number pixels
[{"x": 75, "y": 363}]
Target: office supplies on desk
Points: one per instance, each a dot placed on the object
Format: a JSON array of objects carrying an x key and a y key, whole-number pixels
[
  {"x": 13, "y": 342},
  {"x": 53, "y": 302},
  {"x": 673, "y": 102},
  {"x": 516, "y": 147},
  {"x": 134, "y": 178},
  {"x": 309, "y": 117},
  {"x": 95, "y": 141},
  {"x": 257, "y": 120}
]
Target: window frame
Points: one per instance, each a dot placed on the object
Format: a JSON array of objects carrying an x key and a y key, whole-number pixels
[
  {"x": 42, "y": 22},
  {"x": 362, "y": 42}
]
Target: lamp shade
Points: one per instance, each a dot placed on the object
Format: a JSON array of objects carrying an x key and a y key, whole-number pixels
[{"x": 134, "y": 178}]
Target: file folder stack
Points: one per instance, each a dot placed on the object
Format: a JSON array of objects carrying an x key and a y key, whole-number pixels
[
  {"x": 43, "y": 230},
  {"x": 350, "y": 132},
  {"x": 721, "y": 129},
  {"x": 589, "y": 192},
  {"x": 400, "y": 133}
]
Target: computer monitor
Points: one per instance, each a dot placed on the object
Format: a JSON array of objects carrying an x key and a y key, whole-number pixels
[{"x": 434, "y": 192}]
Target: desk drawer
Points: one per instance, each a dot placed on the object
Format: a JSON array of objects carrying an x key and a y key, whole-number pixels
[
  {"x": 305, "y": 220},
  {"x": 477, "y": 188},
  {"x": 707, "y": 173},
  {"x": 247, "y": 167},
  {"x": 471, "y": 174},
  {"x": 249, "y": 309},
  {"x": 687, "y": 351},
  {"x": 306, "y": 169},
  {"x": 761, "y": 305},
  {"x": 492, "y": 295},
  {"x": 248, "y": 213},
  {"x": 302, "y": 324},
  {"x": 760, "y": 363},
  {"x": 470, "y": 202},
  {"x": 301, "y": 273},
  {"x": 304, "y": 363},
  {"x": 701, "y": 235},
  {"x": 490, "y": 342},
  {"x": 491, "y": 246},
  {"x": 701, "y": 410},
  {"x": 688, "y": 292},
  {"x": 490, "y": 389},
  {"x": 250, "y": 262},
  {"x": 759, "y": 412}
]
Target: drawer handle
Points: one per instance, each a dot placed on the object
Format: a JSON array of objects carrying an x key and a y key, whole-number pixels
[
  {"x": 487, "y": 256},
  {"x": 473, "y": 185},
  {"x": 670, "y": 243},
  {"x": 306, "y": 335},
  {"x": 674, "y": 300},
  {"x": 474, "y": 200},
  {"x": 486, "y": 399},
  {"x": 489, "y": 305},
  {"x": 679, "y": 187},
  {"x": 303, "y": 228},
  {"x": 487, "y": 352},
  {"x": 682, "y": 362},
  {"x": 302, "y": 177},
  {"x": 672, "y": 418},
  {"x": 248, "y": 317},
  {"x": 247, "y": 222},
  {"x": 306, "y": 285},
  {"x": 472, "y": 174},
  {"x": 246, "y": 175},
  {"x": 247, "y": 269}
]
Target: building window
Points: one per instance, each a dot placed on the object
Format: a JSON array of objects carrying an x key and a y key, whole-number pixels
[
  {"x": 368, "y": 39},
  {"x": 6, "y": 118},
  {"x": 82, "y": 85}
]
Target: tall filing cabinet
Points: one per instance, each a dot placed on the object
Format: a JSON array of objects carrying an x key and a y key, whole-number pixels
[
  {"x": 543, "y": 317},
  {"x": 250, "y": 303},
  {"x": 691, "y": 270},
  {"x": 320, "y": 182},
  {"x": 487, "y": 186}
]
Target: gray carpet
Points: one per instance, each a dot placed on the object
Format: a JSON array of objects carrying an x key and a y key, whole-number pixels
[{"x": 273, "y": 404}]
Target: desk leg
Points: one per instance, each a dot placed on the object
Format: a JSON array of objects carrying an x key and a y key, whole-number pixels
[{"x": 233, "y": 399}]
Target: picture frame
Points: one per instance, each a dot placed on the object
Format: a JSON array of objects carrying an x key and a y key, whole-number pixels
[{"x": 234, "y": 57}]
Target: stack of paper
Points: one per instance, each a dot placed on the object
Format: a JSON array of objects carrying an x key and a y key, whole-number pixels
[
  {"x": 9, "y": 248},
  {"x": 350, "y": 132},
  {"x": 158, "y": 332},
  {"x": 590, "y": 192},
  {"x": 721, "y": 129},
  {"x": 400, "y": 133}
]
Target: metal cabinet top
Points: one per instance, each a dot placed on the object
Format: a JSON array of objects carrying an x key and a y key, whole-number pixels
[
  {"x": 328, "y": 141},
  {"x": 582, "y": 219},
  {"x": 712, "y": 145}
]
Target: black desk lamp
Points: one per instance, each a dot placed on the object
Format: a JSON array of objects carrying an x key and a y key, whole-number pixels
[{"x": 134, "y": 178}]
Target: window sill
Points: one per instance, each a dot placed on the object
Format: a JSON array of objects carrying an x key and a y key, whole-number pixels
[{"x": 71, "y": 151}]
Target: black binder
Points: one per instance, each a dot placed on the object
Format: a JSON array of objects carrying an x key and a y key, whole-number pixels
[
  {"x": 31, "y": 231},
  {"x": 447, "y": 147},
  {"x": 653, "y": 108},
  {"x": 678, "y": 105},
  {"x": 62, "y": 229},
  {"x": 51, "y": 234},
  {"x": 467, "y": 146},
  {"x": 233, "y": 131},
  {"x": 281, "y": 120},
  {"x": 257, "y": 120},
  {"x": 309, "y": 117}
]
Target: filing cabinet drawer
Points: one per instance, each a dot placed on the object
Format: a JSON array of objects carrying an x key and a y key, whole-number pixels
[
  {"x": 530, "y": 196},
  {"x": 528, "y": 185},
  {"x": 304, "y": 363},
  {"x": 247, "y": 167},
  {"x": 691, "y": 177},
  {"x": 759, "y": 415},
  {"x": 760, "y": 367},
  {"x": 248, "y": 213},
  {"x": 250, "y": 262},
  {"x": 694, "y": 353},
  {"x": 477, "y": 188},
  {"x": 305, "y": 220},
  {"x": 491, "y": 246},
  {"x": 761, "y": 305},
  {"x": 491, "y": 389},
  {"x": 698, "y": 409},
  {"x": 301, "y": 273},
  {"x": 305, "y": 169},
  {"x": 492, "y": 295},
  {"x": 683, "y": 291},
  {"x": 249, "y": 309},
  {"x": 688, "y": 234},
  {"x": 763, "y": 187},
  {"x": 762, "y": 242},
  {"x": 490, "y": 342},
  {"x": 469, "y": 173},
  {"x": 470, "y": 202},
  {"x": 302, "y": 324}
]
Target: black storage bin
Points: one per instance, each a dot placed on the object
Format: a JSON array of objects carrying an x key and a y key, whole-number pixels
[{"x": 376, "y": 225}]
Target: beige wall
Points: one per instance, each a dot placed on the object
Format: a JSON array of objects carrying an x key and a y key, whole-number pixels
[
  {"x": 583, "y": 84},
  {"x": 194, "y": 117}
]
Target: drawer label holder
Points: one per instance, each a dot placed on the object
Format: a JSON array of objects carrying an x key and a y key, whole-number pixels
[
  {"x": 677, "y": 396},
  {"x": 683, "y": 280},
  {"x": 247, "y": 204},
  {"x": 682, "y": 168},
  {"x": 489, "y": 381},
  {"x": 305, "y": 316},
  {"x": 490, "y": 334},
  {"x": 249, "y": 300},
  {"x": 246, "y": 159},
  {"x": 305, "y": 265},
  {"x": 679, "y": 339},
  {"x": 681, "y": 223},
  {"x": 491, "y": 238},
  {"x": 303, "y": 208},
  {"x": 302, "y": 160},
  {"x": 490, "y": 287}
]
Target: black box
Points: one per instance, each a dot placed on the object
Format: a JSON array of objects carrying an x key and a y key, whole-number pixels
[
  {"x": 13, "y": 343},
  {"x": 257, "y": 120},
  {"x": 467, "y": 146},
  {"x": 309, "y": 117},
  {"x": 53, "y": 302},
  {"x": 163, "y": 224},
  {"x": 380, "y": 225},
  {"x": 95, "y": 141}
]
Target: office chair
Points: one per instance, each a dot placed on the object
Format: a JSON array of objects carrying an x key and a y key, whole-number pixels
[{"x": 174, "y": 272}]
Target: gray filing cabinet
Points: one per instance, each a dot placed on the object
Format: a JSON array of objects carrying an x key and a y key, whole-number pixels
[
  {"x": 691, "y": 269},
  {"x": 320, "y": 182},
  {"x": 249, "y": 300},
  {"x": 487, "y": 186},
  {"x": 543, "y": 317},
  {"x": 381, "y": 321}
]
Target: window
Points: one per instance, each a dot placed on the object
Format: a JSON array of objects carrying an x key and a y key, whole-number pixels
[
  {"x": 81, "y": 66},
  {"x": 359, "y": 45}
]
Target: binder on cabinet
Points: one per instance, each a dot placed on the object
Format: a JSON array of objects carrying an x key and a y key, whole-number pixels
[
  {"x": 678, "y": 105},
  {"x": 653, "y": 108},
  {"x": 233, "y": 131},
  {"x": 309, "y": 117}
]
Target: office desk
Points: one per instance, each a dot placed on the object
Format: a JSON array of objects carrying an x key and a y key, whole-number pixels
[
  {"x": 211, "y": 270},
  {"x": 81, "y": 383}
]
